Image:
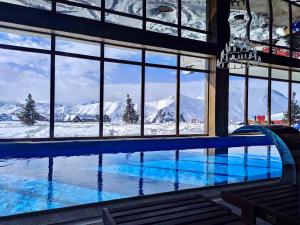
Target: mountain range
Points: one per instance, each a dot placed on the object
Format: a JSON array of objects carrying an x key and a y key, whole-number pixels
[{"x": 160, "y": 111}]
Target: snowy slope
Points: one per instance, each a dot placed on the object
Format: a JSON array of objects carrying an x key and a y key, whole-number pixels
[
  {"x": 164, "y": 109},
  {"x": 159, "y": 111},
  {"x": 256, "y": 107}
]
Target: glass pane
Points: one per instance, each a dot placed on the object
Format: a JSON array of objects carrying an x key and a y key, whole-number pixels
[
  {"x": 122, "y": 53},
  {"x": 238, "y": 29},
  {"x": 193, "y": 35},
  {"x": 280, "y": 74},
  {"x": 123, "y": 20},
  {"x": 161, "y": 58},
  {"x": 163, "y": 10},
  {"x": 258, "y": 101},
  {"x": 236, "y": 102},
  {"x": 134, "y": 7},
  {"x": 296, "y": 30},
  {"x": 260, "y": 22},
  {"x": 281, "y": 21},
  {"x": 296, "y": 76},
  {"x": 236, "y": 68},
  {"x": 122, "y": 109},
  {"x": 193, "y": 99},
  {"x": 78, "y": 11},
  {"x": 295, "y": 109},
  {"x": 279, "y": 102},
  {"x": 194, "y": 14},
  {"x": 160, "y": 101},
  {"x": 24, "y": 39},
  {"x": 77, "y": 97},
  {"x": 39, "y": 4},
  {"x": 96, "y": 3},
  {"x": 190, "y": 62},
  {"x": 258, "y": 71},
  {"x": 77, "y": 46},
  {"x": 24, "y": 74},
  {"x": 160, "y": 28}
]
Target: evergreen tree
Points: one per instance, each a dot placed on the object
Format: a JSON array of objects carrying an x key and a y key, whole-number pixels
[
  {"x": 295, "y": 111},
  {"x": 28, "y": 114},
  {"x": 130, "y": 115}
]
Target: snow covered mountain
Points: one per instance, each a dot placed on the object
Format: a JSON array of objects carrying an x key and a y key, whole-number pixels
[
  {"x": 155, "y": 112},
  {"x": 160, "y": 111},
  {"x": 256, "y": 106}
]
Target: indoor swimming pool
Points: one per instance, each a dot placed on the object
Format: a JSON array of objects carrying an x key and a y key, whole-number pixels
[{"x": 34, "y": 184}]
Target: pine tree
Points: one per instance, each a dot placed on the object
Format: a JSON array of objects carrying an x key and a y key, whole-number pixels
[
  {"x": 130, "y": 115},
  {"x": 295, "y": 111},
  {"x": 28, "y": 114}
]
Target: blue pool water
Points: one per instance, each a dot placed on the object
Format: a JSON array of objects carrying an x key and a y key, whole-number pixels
[{"x": 33, "y": 184}]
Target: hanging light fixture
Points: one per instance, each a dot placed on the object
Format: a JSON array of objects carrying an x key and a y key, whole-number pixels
[{"x": 239, "y": 52}]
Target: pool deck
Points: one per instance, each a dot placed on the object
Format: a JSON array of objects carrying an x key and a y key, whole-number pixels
[{"x": 90, "y": 214}]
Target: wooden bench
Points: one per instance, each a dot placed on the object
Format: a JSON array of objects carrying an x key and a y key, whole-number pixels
[
  {"x": 277, "y": 204},
  {"x": 188, "y": 210}
]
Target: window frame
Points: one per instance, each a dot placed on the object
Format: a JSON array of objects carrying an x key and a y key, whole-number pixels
[{"x": 102, "y": 59}]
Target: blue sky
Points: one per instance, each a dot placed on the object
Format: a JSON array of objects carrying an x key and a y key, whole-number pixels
[{"x": 77, "y": 80}]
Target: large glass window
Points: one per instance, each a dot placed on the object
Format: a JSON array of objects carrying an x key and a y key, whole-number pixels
[
  {"x": 238, "y": 30},
  {"x": 279, "y": 102},
  {"x": 122, "y": 53},
  {"x": 122, "y": 100},
  {"x": 193, "y": 102},
  {"x": 159, "y": 16},
  {"x": 258, "y": 71},
  {"x": 77, "y": 95},
  {"x": 134, "y": 7},
  {"x": 258, "y": 101},
  {"x": 96, "y": 3},
  {"x": 78, "y": 11},
  {"x": 39, "y": 4},
  {"x": 260, "y": 21},
  {"x": 160, "y": 101},
  {"x": 78, "y": 76},
  {"x": 77, "y": 47},
  {"x": 296, "y": 31},
  {"x": 236, "y": 102},
  {"x": 295, "y": 101},
  {"x": 163, "y": 10},
  {"x": 280, "y": 74},
  {"x": 281, "y": 23},
  {"x": 24, "y": 94},
  {"x": 194, "y": 14},
  {"x": 30, "y": 40},
  {"x": 161, "y": 58}
]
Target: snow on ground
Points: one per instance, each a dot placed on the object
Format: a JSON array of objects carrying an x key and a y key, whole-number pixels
[{"x": 15, "y": 129}]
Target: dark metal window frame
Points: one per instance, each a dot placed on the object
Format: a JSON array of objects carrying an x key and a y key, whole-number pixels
[
  {"x": 102, "y": 59},
  {"x": 143, "y": 18}
]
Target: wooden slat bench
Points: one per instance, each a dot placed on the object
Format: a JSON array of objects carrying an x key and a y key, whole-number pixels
[
  {"x": 188, "y": 210},
  {"x": 277, "y": 204}
]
